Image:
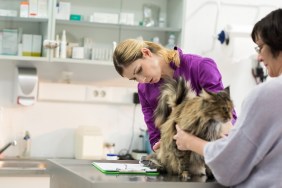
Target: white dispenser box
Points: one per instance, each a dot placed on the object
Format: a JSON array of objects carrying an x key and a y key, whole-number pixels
[
  {"x": 26, "y": 85},
  {"x": 89, "y": 143}
]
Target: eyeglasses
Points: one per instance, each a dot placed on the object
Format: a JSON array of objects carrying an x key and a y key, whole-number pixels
[{"x": 258, "y": 48}]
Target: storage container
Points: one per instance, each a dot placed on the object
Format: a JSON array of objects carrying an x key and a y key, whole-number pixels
[{"x": 89, "y": 143}]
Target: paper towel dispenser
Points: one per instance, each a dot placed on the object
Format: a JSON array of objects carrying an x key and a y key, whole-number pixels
[{"x": 26, "y": 86}]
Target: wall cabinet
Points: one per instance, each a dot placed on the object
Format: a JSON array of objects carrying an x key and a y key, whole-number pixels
[{"x": 97, "y": 23}]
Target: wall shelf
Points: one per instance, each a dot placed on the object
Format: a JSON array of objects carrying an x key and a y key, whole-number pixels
[
  {"x": 82, "y": 61},
  {"x": 21, "y": 19},
  {"x": 23, "y": 58},
  {"x": 86, "y": 24},
  {"x": 116, "y": 26}
]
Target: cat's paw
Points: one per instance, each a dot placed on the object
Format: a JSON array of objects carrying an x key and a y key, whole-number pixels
[
  {"x": 156, "y": 164},
  {"x": 152, "y": 162},
  {"x": 185, "y": 175}
]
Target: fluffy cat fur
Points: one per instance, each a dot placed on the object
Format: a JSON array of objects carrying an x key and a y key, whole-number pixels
[{"x": 202, "y": 115}]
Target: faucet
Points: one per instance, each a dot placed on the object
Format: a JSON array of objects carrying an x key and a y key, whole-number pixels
[{"x": 12, "y": 143}]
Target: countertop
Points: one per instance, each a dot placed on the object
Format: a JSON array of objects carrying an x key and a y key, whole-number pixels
[
  {"x": 19, "y": 167},
  {"x": 73, "y": 173}
]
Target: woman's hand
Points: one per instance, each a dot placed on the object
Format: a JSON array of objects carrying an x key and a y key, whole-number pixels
[
  {"x": 186, "y": 141},
  {"x": 181, "y": 138},
  {"x": 157, "y": 145},
  {"x": 226, "y": 128}
]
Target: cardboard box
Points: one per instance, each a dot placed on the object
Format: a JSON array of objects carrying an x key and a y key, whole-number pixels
[
  {"x": 42, "y": 8},
  {"x": 1, "y": 41},
  {"x": 36, "y": 45},
  {"x": 27, "y": 44},
  {"x": 33, "y": 9},
  {"x": 10, "y": 42},
  {"x": 64, "y": 11}
]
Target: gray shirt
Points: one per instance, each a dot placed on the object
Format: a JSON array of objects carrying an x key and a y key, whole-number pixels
[{"x": 251, "y": 156}]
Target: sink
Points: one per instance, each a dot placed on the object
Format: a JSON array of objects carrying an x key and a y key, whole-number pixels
[{"x": 22, "y": 165}]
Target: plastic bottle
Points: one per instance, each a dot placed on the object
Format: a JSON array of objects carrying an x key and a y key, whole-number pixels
[
  {"x": 26, "y": 145},
  {"x": 171, "y": 41},
  {"x": 24, "y": 6},
  {"x": 63, "y": 46},
  {"x": 57, "y": 50}
]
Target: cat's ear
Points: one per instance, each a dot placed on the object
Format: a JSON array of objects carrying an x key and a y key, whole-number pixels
[
  {"x": 227, "y": 90},
  {"x": 205, "y": 96}
]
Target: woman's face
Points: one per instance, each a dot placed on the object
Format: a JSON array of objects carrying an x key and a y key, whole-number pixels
[
  {"x": 145, "y": 70},
  {"x": 273, "y": 64}
]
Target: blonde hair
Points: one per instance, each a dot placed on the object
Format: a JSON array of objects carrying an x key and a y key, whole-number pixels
[{"x": 129, "y": 51}]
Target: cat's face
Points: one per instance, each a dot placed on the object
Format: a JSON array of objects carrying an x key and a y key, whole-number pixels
[{"x": 217, "y": 105}]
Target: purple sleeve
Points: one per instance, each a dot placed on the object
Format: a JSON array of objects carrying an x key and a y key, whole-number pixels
[
  {"x": 209, "y": 76},
  {"x": 148, "y": 112}
]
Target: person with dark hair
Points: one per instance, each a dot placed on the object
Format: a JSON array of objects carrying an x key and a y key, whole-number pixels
[
  {"x": 251, "y": 154},
  {"x": 148, "y": 63}
]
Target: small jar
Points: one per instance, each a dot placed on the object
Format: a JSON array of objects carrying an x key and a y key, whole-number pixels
[
  {"x": 162, "y": 22},
  {"x": 111, "y": 156}
]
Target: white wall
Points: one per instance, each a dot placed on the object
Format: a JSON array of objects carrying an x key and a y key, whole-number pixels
[
  {"x": 52, "y": 124},
  {"x": 206, "y": 18}
]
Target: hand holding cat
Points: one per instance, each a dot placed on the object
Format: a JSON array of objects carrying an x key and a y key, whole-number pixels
[
  {"x": 181, "y": 138},
  {"x": 157, "y": 145},
  {"x": 186, "y": 141}
]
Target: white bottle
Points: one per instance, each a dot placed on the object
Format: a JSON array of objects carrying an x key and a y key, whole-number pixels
[
  {"x": 63, "y": 46},
  {"x": 26, "y": 145},
  {"x": 171, "y": 42},
  {"x": 57, "y": 49},
  {"x": 24, "y": 7}
]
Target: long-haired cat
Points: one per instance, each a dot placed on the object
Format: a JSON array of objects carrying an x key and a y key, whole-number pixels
[{"x": 202, "y": 115}]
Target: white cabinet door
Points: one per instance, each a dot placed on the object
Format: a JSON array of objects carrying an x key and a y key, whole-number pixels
[{"x": 25, "y": 182}]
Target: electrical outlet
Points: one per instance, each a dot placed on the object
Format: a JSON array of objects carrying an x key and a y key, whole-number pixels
[
  {"x": 98, "y": 94},
  {"x": 83, "y": 93},
  {"x": 110, "y": 94}
]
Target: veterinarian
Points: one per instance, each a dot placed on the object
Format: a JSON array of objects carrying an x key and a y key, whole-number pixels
[
  {"x": 251, "y": 155},
  {"x": 148, "y": 62}
]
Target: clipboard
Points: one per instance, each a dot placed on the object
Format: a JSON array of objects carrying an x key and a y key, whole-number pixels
[{"x": 124, "y": 168}]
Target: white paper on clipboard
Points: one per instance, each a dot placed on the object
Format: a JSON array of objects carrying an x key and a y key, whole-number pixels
[{"x": 123, "y": 167}]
